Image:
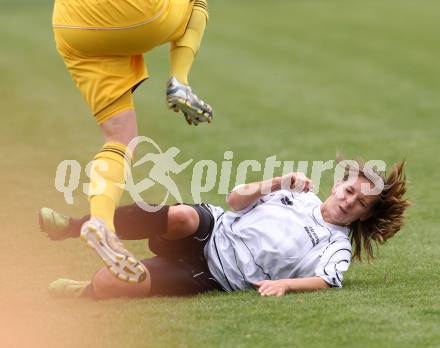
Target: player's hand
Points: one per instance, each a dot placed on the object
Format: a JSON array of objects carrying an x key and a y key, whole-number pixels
[
  {"x": 272, "y": 287},
  {"x": 296, "y": 182}
]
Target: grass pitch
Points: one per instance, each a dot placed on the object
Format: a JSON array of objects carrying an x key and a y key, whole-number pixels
[{"x": 299, "y": 79}]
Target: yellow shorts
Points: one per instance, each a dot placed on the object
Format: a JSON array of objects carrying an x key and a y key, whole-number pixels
[{"x": 102, "y": 42}]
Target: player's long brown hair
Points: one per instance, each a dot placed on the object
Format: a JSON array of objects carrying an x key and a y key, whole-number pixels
[{"x": 387, "y": 215}]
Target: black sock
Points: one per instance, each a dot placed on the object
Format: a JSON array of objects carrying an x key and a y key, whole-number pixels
[{"x": 131, "y": 222}]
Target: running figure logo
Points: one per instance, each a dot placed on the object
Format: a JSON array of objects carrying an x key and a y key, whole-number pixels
[{"x": 164, "y": 163}]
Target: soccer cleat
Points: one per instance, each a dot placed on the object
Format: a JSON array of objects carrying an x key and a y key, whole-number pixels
[
  {"x": 181, "y": 98},
  {"x": 67, "y": 288},
  {"x": 54, "y": 224},
  {"x": 120, "y": 262}
]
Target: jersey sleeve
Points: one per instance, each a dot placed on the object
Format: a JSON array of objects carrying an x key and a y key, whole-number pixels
[{"x": 334, "y": 262}]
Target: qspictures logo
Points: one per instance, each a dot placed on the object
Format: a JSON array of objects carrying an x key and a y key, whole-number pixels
[{"x": 163, "y": 167}]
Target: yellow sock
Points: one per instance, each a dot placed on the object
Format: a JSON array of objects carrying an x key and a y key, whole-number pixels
[
  {"x": 103, "y": 207},
  {"x": 184, "y": 49},
  {"x": 182, "y": 59},
  {"x": 106, "y": 181}
]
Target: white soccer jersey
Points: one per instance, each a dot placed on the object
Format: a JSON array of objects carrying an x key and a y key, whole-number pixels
[{"x": 282, "y": 235}]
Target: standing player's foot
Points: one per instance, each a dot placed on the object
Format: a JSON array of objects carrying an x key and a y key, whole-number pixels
[
  {"x": 54, "y": 224},
  {"x": 120, "y": 262},
  {"x": 180, "y": 97},
  {"x": 67, "y": 288}
]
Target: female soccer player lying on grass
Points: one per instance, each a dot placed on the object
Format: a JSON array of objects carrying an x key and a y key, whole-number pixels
[
  {"x": 102, "y": 43},
  {"x": 278, "y": 242}
]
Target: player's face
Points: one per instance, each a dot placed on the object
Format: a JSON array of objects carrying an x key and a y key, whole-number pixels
[{"x": 349, "y": 202}]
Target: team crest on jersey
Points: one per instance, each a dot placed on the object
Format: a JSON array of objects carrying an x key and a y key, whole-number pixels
[{"x": 286, "y": 201}]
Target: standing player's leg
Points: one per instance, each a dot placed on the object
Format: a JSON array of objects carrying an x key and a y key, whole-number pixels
[
  {"x": 182, "y": 54},
  {"x": 109, "y": 166},
  {"x": 106, "y": 74},
  {"x": 106, "y": 188},
  {"x": 106, "y": 82}
]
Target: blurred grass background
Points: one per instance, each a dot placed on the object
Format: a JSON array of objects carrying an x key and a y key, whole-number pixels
[{"x": 299, "y": 79}]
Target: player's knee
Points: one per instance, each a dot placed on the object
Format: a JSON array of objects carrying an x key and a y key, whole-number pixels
[
  {"x": 121, "y": 127},
  {"x": 103, "y": 283},
  {"x": 185, "y": 217},
  {"x": 183, "y": 221},
  {"x": 106, "y": 286}
]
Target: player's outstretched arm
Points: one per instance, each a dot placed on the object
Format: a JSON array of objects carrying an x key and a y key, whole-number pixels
[
  {"x": 283, "y": 286},
  {"x": 244, "y": 195}
]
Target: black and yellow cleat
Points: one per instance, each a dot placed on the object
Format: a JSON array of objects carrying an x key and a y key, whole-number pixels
[
  {"x": 180, "y": 97},
  {"x": 54, "y": 224},
  {"x": 120, "y": 262}
]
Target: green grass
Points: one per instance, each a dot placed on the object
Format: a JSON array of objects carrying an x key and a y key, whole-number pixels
[{"x": 299, "y": 79}]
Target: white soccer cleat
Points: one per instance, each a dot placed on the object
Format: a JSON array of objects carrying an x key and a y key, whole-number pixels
[
  {"x": 120, "y": 262},
  {"x": 180, "y": 97}
]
